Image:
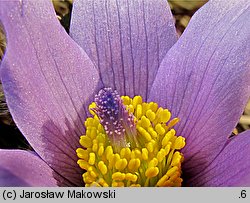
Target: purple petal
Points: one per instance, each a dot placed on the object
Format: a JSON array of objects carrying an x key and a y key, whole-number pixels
[
  {"x": 204, "y": 79},
  {"x": 230, "y": 168},
  {"x": 48, "y": 80},
  {"x": 127, "y": 40},
  {"x": 23, "y": 168}
]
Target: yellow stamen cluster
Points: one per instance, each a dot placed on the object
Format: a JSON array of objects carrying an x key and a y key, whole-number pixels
[{"x": 151, "y": 158}]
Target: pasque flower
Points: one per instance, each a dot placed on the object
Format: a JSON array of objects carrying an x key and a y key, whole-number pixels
[{"x": 181, "y": 98}]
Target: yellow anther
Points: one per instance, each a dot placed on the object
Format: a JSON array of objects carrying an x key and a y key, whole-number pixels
[
  {"x": 133, "y": 156},
  {"x": 151, "y": 172},
  {"x": 175, "y": 176},
  {"x": 118, "y": 176},
  {"x": 177, "y": 157},
  {"x": 130, "y": 108},
  {"x": 126, "y": 100},
  {"x": 117, "y": 184},
  {"x": 113, "y": 158},
  {"x": 116, "y": 157},
  {"x": 93, "y": 174},
  {"x": 152, "y": 132},
  {"x": 91, "y": 132},
  {"x": 172, "y": 171},
  {"x": 136, "y": 154},
  {"x": 144, "y": 133},
  {"x": 150, "y": 147},
  {"x": 150, "y": 115},
  {"x": 121, "y": 164},
  {"x": 87, "y": 178},
  {"x": 138, "y": 111},
  {"x": 100, "y": 138},
  {"x": 136, "y": 100},
  {"x": 135, "y": 185},
  {"x": 82, "y": 153},
  {"x": 131, "y": 177},
  {"x": 100, "y": 129},
  {"x": 162, "y": 180},
  {"x": 177, "y": 182},
  {"x": 109, "y": 152},
  {"x": 91, "y": 168},
  {"x": 172, "y": 140},
  {"x": 83, "y": 164},
  {"x": 95, "y": 184},
  {"x": 158, "y": 112},
  {"x": 164, "y": 116},
  {"x": 134, "y": 164},
  {"x": 92, "y": 106},
  {"x": 161, "y": 155},
  {"x": 153, "y": 162},
  {"x": 179, "y": 143},
  {"x": 145, "y": 107},
  {"x": 91, "y": 158},
  {"x": 144, "y": 154},
  {"x": 87, "y": 122},
  {"x": 103, "y": 183},
  {"x": 102, "y": 167},
  {"x": 145, "y": 122},
  {"x": 91, "y": 122},
  {"x": 159, "y": 129},
  {"x": 95, "y": 147},
  {"x": 95, "y": 141},
  {"x": 167, "y": 183},
  {"x": 153, "y": 106},
  {"x": 167, "y": 137},
  {"x": 125, "y": 153},
  {"x": 167, "y": 148},
  {"x": 173, "y": 122},
  {"x": 100, "y": 150},
  {"x": 96, "y": 121},
  {"x": 85, "y": 141}
]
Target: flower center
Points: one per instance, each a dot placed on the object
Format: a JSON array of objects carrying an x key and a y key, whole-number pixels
[{"x": 129, "y": 142}]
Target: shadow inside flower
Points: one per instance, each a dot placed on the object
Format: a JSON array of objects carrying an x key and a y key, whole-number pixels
[{"x": 59, "y": 150}]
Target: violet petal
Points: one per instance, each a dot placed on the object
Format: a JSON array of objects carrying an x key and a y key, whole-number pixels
[
  {"x": 230, "y": 168},
  {"x": 23, "y": 168},
  {"x": 127, "y": 40},
  {"x": 204, "y": 79},
  {"x": 48, "y": 80}
]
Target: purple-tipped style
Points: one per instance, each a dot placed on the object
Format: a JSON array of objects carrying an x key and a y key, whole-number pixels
[{"x": 50, "y": 78}]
